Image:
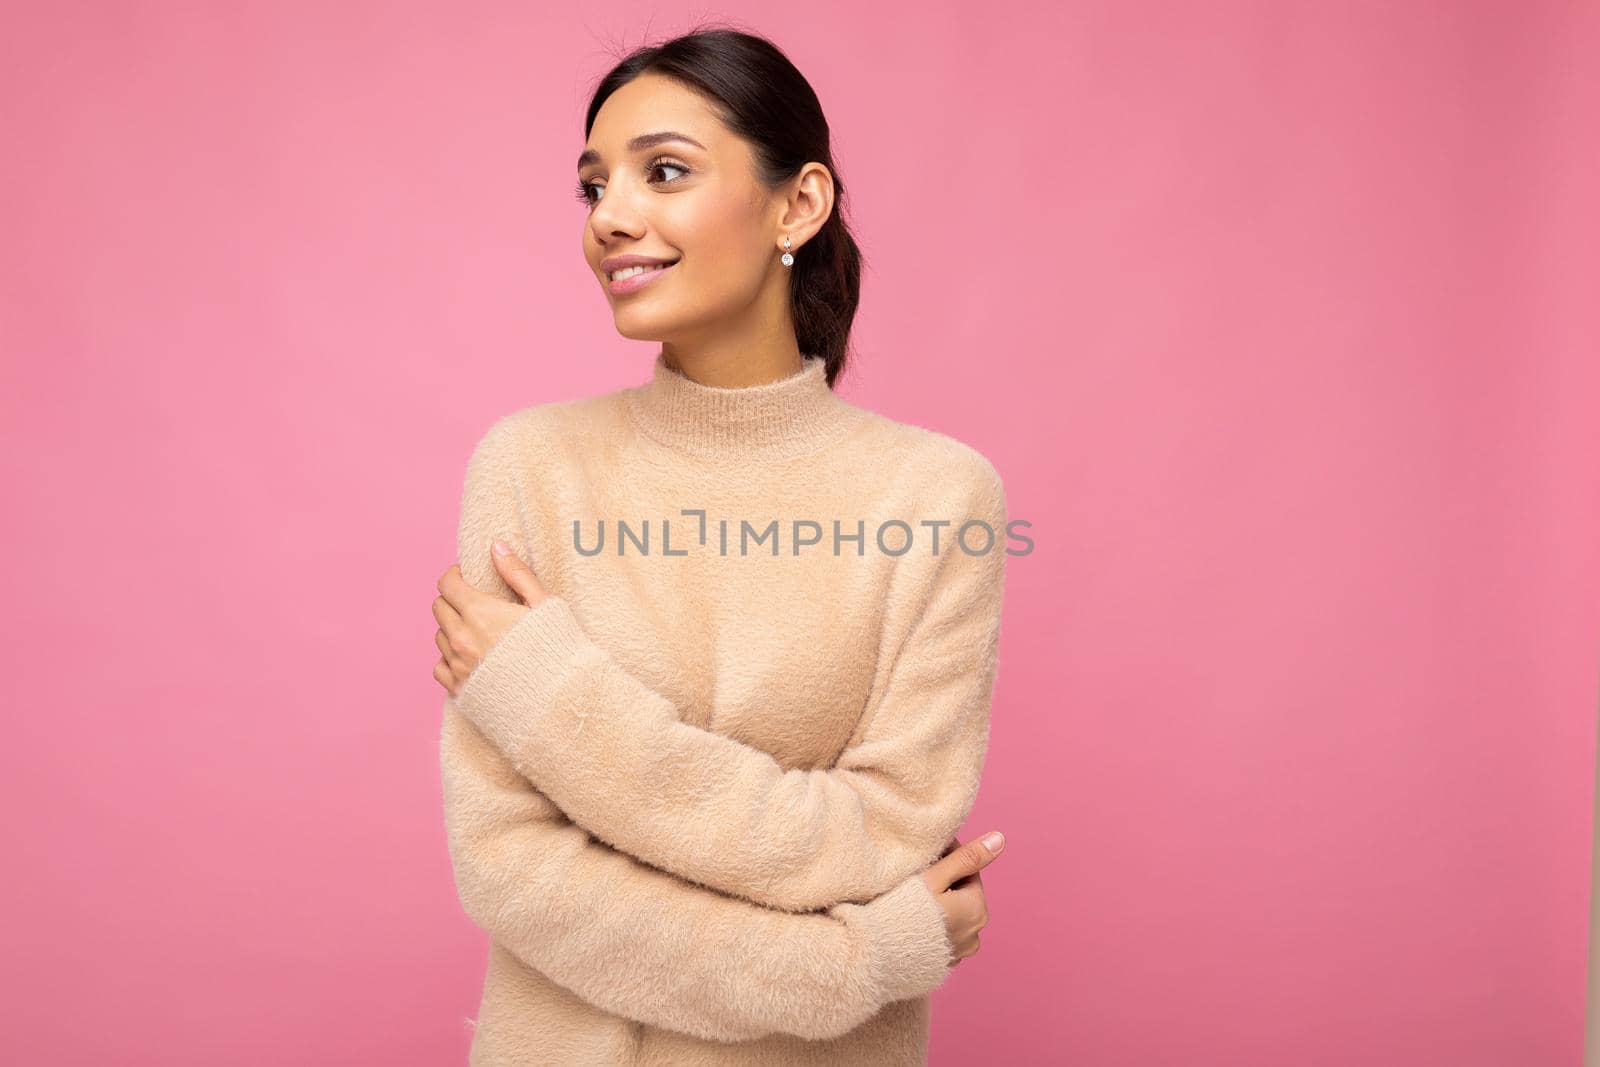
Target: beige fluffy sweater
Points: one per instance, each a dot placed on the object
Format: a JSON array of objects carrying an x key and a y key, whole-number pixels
[{"x": 689, "y": 795}]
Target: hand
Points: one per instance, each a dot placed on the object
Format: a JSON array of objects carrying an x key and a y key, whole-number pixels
[
  {"x": 471, "y": 621},
  {"x": 958, "y": 888}
]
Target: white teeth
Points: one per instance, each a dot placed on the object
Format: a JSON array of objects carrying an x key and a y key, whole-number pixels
[{"x": 628, "y": 272}]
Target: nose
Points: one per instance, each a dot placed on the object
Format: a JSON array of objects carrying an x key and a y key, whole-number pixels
[{"x": 613, "y": 215}]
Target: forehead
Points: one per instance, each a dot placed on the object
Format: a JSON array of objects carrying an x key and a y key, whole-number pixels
[{"x": 652, "y": 103}]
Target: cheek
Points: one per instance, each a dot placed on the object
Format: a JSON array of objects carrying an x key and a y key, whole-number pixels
[{"x": 721, "y": 248}]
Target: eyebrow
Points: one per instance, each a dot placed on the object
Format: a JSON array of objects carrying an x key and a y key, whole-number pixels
[{"x": 640, "y": 143}]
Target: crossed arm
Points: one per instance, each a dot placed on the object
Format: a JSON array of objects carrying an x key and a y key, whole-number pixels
[
  {"x": 593, "y": 738},
  {"x": 649, "y": 946},
  {"x": 641, "y": 942}
]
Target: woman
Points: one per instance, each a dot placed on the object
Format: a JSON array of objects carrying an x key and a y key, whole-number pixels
[{"x": 697, "y": 793}]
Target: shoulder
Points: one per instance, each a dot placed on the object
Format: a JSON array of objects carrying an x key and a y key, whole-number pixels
[
  {"x": 543, "y": 431},
  {"x": 513, "y": 462},
  {"x": 935, "y": 465},
  {"x": 942, "y": 480}
]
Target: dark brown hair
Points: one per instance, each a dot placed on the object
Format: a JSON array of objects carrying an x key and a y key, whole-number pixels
[{"x": 759, "y": 95}]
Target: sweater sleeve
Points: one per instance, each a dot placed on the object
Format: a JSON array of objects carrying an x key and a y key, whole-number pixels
[
  {"x": 646, "y": 945},
  {"x": 594, "y": 740},
  {"x": 634, "y": 940}
]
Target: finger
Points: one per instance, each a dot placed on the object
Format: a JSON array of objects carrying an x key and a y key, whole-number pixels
[
  {"x": 448, "y": 652},
  {"x": 453, "y": 626},
  {"x": 969, "y": 858},
  {"x": 455, "y": 588},
  {"x": 968, "y": 893},
  {"x": 516, "y": 573},
  {"x": 971, "y": 901},
  {"x": 975, "y": 878},
  {"x": 445, "y": 612},
  {"x": 445, "y": 677}
]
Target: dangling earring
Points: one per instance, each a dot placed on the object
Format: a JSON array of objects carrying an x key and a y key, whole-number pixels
[{"x": 788, "y": 260}]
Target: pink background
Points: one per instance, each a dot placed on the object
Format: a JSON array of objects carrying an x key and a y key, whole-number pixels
[{"x": 1279, "y": 321}]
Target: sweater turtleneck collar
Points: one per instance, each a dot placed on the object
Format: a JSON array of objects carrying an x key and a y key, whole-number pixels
[{"x": 791, "y": 417}]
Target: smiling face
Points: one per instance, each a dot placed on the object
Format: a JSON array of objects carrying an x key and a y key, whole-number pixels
[{"x": 696, "y": 203}]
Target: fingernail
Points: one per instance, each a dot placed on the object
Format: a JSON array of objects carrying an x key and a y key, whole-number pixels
[
  {"x": 501, "y": 548},
  {"x": 994, "y": 842}
]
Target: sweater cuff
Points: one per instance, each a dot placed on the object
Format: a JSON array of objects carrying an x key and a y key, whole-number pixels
[
  {"x": 907, "y": 945},
  {"x": 520, "y": 676}
]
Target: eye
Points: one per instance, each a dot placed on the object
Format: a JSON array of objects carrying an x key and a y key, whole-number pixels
[
  {"x": 670, "y": 165},
  {"x": 587, "y": 196}
]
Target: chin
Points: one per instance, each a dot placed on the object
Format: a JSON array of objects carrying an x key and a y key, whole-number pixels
[
  {"x": 640, "y": 328},
  {"x": 656, "y": 324}
]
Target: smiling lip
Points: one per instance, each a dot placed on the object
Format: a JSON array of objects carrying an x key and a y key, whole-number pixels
[{"x": 637, "y": 282}]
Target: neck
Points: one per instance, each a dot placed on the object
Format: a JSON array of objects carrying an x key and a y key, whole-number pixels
[
  {"x": 732, "y": 367},
  {"x": 778, "y": 416}
]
